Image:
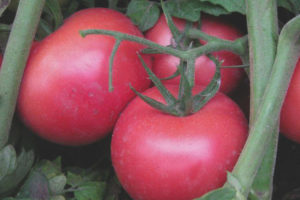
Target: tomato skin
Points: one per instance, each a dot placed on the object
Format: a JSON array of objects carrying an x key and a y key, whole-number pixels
[
  {"x": 166, "y": 65},
  {"x": 64, "y": 96},
  {"x": 289, "y": 118},
  {"x": 157, "y": 156}
]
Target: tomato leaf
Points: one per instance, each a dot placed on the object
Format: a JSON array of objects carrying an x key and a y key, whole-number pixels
[
  {"x": 3, "y": 5},
  {"x": 291, "y": 5},
  {"x": 8, "y": 161},
  {"x": 143, "y": 13},
  {"x": 91, "y": 190},
  {"x": 212, "y": 9},
  {"x": 52, "y": 7},
  {"x": 49, "y": 168},
  {"x": 57, "y": 184},
  {"x": 188, "y": 10},
  {"x": 25, "y": 161},
  {"x": 230, "y": 6},
  {"x": 88, "y": 3},
  {"x": 35, "y": 187},
  {"x": 224, "y": 193}
]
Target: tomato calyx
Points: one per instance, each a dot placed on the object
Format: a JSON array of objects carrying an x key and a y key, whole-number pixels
[{"x": 186, "y": 103}]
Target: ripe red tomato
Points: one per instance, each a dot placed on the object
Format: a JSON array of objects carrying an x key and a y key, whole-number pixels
[
  {"x": 166, "y": 65},
  {"x": 64, "y": 95},
  {"x": 289, "y": 119},
  {"x": 157, "y": 156}
]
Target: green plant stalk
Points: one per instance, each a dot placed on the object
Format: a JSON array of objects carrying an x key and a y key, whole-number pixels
[
  {"x": 238, "y": 46},
  {"x": 266, "y": 120},
  {"x": 14, "y": 61},
  {"x": 263, "y": 35}
]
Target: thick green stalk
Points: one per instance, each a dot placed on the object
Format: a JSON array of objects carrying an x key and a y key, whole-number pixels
[
  {"x": 263, "y": 36},
  {"x": 266, "y": 119},
  {"x": 16, "y": 53}
]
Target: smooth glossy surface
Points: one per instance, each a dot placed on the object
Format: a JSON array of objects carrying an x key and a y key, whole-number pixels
[
  {"x": 290, "y": 113},
  {"x": 157, "y": 156},
  {"x": 64, "y": 96}
]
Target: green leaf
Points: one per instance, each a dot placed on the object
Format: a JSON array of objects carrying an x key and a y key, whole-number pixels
[
  {"x": 24, "y": 163},
  {"x": 230, "y": 6},
  {"x": 49, "y": 168},
  {"x": 291, "y": 5},
  {"x": 60, "y": 197},
  {"x": 224, "y": 193},
  {"x": 57, "y": 184},
  {"x": 88, "y": 3},
  {"x": 36, "y": 187},
  {"x": 52, "y": 7},
  {"x": 91, "y": 191},
  {"x": 188, "y": 9},
  {"x": 8, "y": 161},
  {"x": 73, "y": 179},
  {"x": 143, "y": 13},
  {"x": 3, "y": 5},
  {"x": 212, "y": 9}
]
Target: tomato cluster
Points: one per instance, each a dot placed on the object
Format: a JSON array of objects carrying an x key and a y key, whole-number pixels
[{"x": 64, "y": 98}]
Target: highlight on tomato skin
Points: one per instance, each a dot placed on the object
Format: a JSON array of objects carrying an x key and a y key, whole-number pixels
[
  {"x": 165, "y": 65},
  {"x": 290, "y": 112},
  {"x": 157, "y": 156},
  {"x": 64, "y": 96}
]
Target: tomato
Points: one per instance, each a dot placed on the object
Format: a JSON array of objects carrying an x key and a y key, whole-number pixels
[
  {"x": 64, "y": 95},
  {"x": 157, "y": 156},
  {"x": 166, "y": 65},
  {"x": 289, "y": 119}
]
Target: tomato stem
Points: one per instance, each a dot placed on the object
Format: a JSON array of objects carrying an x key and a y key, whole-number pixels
[
  {"x": 267, "y": 116},
  {"x": 238, "y": 46},
  {"x": 262, "y": 22},
  {"x": 16, "y": 53}
]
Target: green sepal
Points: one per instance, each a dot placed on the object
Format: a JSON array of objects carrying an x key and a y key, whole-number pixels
[
  {"x": 174, "y": 30},
  {"x": 174, "y": 75},
  {"x": 155, "y": 104},
  {"x": 185, "y": 90},
  {"x": 169, "y": 98},
  {"x": 209, "y": 92}
]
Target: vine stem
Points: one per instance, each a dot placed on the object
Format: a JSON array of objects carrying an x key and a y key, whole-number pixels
[
  {"x": 266, "y": 120},
  {"x": 262, "y": 22},
  {"x": 14, "y": 61},
  {"x": 238, "y": 46}
]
